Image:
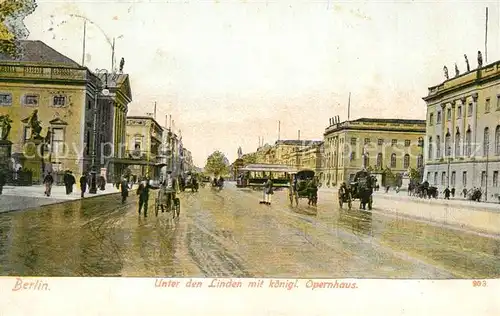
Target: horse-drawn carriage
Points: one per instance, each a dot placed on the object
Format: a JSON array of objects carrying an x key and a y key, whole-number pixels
[
  {"x": 304, "y": 185},
  {"x": 360, "y": 189},
  {"x": 192, "y": 182}
]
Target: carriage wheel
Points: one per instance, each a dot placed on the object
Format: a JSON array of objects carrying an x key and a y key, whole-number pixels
[
  {"x": 296, "y": 199},
  {"x": 178, "y": 209},
  {"x": 340, "y": 203},
  {"x": 349, "y": 204},
  {"x": 157, "y": 206},
  {"x": 370, "y": 201},
  {"x": 290, "y": 196}
]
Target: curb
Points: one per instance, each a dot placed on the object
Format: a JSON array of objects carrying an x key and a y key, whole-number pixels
[{"x": 57, "y": 203}]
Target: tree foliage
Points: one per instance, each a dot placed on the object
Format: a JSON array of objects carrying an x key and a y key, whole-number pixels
[
  {"x": 12, "y": 29},
  {"x": 217, "y": 164},
  {"x": 249, "y": 158},
  {"x": 415, "y": 175}
]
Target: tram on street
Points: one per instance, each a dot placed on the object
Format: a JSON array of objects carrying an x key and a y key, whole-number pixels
[{"x": 255, "y": 176}]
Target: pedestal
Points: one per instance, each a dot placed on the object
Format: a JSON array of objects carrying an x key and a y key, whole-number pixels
[
  {"x": 35, "y": 155},
  {"x": 5, "y": 153}
]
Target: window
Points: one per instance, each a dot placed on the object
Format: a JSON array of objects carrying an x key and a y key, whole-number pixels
[
  {"x": 57, "y": 141},
  {"x": 5, "y": 99},
  {"x": 31, "y": 100},
  {"x": 486, "y": 141},
  {"x": 59, "y": 101},
  {"x": 380, "y": 141},
  {"x": 353, "y": 155},
  {"x": 497, "y": 140},
  {"x": 468, "y": 139},
  {"x": 483, "y": 178},
  {"x": 353, "y": 141},
  {"x": 438, "y": 147},
  {"x": 459, "y": 112},
  {"x": 406, "y": 161},
  {"x": 407, "y": 143},
  {"x": 447, "y": 144},
  {"x": 453, "y": 178},
  {"x": 429, "y": 154},
  {"x": 469, "y": 110},
  {"x": 464, "y": 179},
  {"x": 393, "y": 161},
  {"x": 89, "y": 105},
  {"x": 431, "y": 119},
  {"x": 498, "y": 102},
  {"x": 428, "y": 176},
  {"x": 495, "y": 178},
  {"x": 435, "y": 178},
  {"x": 379, "y": 160},
  {"x": 448, "y": 115},
  {"x": 367, "y": 141},
  {"x": 366, "y": 160},
  {"x": 457, "y": 144},
  {"x": 443, "y": 178},
  {"x": 487, "y": 105},
  {"x": 394, "y": 142},
  {"x": 27, "y": 133},
  {"x": 420, "y": 161},
  {"x": 438, "y": 117}
]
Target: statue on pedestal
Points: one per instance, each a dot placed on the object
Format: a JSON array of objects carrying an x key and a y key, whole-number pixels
[
  {"x": 5, "y": 126},
  {"x": 457, "y": 72},
  {"x": 479, "y": 59},
  {"x": 240, "y": 153},
  {"x": 35, "y": 125},
  {"x": 467, "y": 63},
  {"x": 445, "y": 69}
]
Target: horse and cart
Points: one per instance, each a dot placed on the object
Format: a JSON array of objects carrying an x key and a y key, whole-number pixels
[
  {"x": 304, "y": 186},
  {"x": 360, "y": 189}
]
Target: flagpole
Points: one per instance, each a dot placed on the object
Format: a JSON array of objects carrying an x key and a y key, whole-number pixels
[
  {"x": 349, "y": 108},
  {"x": 279, "y": 129},
  {"x": 486, "y": 39},
  {"x": 84, "y": 38}
]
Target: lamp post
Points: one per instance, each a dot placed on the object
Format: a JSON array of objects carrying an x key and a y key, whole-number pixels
[
  {"x": 105, "y": 92},
  {"x": 448, "y": 149},
  {"x": 487, "y": 163},
  {"x": 421, "y": 167}
]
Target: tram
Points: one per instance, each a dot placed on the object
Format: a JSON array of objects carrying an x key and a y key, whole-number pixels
[{"x": 254, "y": 176}]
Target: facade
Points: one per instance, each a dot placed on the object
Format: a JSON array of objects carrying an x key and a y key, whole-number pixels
[
  {"x": 143, "y": 142},
  {"x": 64, "y": 95},
  {"x": 462, "y": 143},
  {"x": 297, "y": 153},
  {"x": 371, "y": 143},
  {"x": 311, "y": 157}
]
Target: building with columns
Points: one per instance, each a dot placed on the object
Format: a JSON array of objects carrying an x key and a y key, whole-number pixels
[
  {"x": 372, "y": 143},
  {"x": 462, "y": 142}
]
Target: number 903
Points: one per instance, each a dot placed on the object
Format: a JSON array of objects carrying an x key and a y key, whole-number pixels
[{"x": 477, "y": 283}]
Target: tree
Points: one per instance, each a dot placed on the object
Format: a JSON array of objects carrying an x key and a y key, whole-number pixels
[
  {"x": 12, "y": 28},
  {"x": 415, "y": 175},
  {"x": 217, "y": 164}
]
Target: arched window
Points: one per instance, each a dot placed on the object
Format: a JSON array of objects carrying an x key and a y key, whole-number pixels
[
  {"x": 447, "y": 144},
  {"x": 438, "y": 147},
  {"x": 393, "y": 161},
  {"x": 366, "y": 160},
  {"x": 468, "y": 139},
  {"x": 420, "y": 161},
  {"x": 486, "y": 141},
  {"x": 457, "y": 144},
  {"x": 497, "y": 140},
  {"x": 430, "y": 148},
  {"x": 406, "y": 161},
  {"x": 379, "y": 160}
]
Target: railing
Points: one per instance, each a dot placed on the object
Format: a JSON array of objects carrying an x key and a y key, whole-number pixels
[{"x": 47, "y": 72}]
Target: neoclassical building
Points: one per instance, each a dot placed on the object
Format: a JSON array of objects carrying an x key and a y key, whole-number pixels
[
  {"x": 463, "y": 131},
  {"x": 372, "y": 143}
]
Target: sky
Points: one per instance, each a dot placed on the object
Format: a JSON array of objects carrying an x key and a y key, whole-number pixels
[{"x": 228, "y": 71}]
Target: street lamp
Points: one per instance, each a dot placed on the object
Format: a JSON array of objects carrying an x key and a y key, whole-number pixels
[
  {"x": 105, "y": 92},
  {"x": 421, "y": 167},
  {"x": 448, "y": 149},
  {"x": 487, "y": 162}
]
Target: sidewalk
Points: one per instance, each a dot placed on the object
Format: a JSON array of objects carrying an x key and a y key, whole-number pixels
[{"x": 15, "y": 198}]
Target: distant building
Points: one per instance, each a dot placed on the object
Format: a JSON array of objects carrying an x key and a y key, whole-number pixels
[
  {"x": 462, "y": 142},
  {"x": 372, "y": 143}
]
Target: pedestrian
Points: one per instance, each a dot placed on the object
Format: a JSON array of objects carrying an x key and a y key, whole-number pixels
[
  {"x": 268, "y": 191},
  {"x": 453, "y": 192},
  {"x": 447, "y": 193},
  {"x": 124, "y": 189},
  {"x": 48, "y": 181},
  {"x": 143, "y": 193},
  {"x": 2, "y": 180},
  {"x": 69, "y": 180},
  {"x": 83, "y": 184},
  {"x": 464, "y": 192}
]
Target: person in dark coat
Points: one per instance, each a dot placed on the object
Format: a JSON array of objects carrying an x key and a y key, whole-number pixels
[
  {"x": 447, "y": 193},
  {"x": 2, "y": 180},
  {"x": 124, "y": 189},
  {"x": 83, "y": 183},
  {"x": 48, "y": 181},
  {"x": 69, "y": 180},
  {"x": 143, "y": 193}
]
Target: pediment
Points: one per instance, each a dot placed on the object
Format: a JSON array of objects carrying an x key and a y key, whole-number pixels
[{"x": 58, "y": 121}]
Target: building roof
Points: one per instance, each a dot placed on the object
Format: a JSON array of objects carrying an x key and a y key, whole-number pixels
[
  {"x": 385, "y": 120},
  {"x": 296, "y": 142},
  {"x": 38, "y": 52}
]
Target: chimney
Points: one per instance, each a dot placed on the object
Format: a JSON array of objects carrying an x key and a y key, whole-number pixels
[
  {"x": 299, "y": 134},
  {"x": 330, "y": 120},
  {"x": 338, "y": 118}
]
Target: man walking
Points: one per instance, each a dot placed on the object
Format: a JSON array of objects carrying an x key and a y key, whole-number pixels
[
  {"x": 143, "y": 192},
  {"x": 83, "y": 184},
  {"x": 69, "y": 180},
  {"x": 124, "y": 189},
  {"x": 48, "y": 181}
]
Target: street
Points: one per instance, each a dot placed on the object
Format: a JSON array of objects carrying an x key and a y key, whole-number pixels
[{"x": 229, "y": 234}]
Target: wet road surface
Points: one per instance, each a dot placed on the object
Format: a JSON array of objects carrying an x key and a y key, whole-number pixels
[{"x": 229, "y": 234}]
